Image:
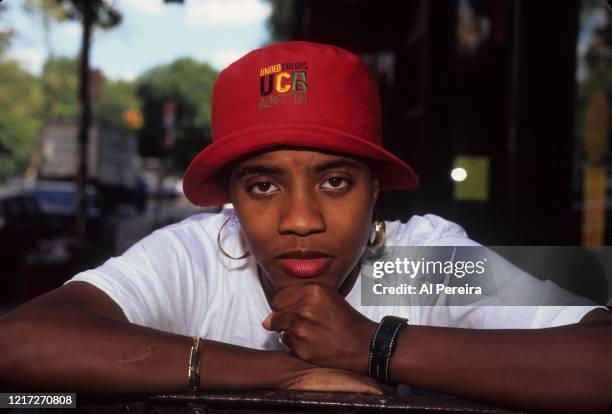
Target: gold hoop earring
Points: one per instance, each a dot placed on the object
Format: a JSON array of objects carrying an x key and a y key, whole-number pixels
[
  {"x": 380, "y": 231},
  {"x": 222, "y": 250}
]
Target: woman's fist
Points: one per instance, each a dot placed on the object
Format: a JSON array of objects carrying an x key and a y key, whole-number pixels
[{"x": 321, "y": 327}]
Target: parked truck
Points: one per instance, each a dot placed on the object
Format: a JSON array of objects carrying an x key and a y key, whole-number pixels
[{"x": 112, "y": 156}]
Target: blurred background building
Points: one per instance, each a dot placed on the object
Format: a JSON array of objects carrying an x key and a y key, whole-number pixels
[{"x": 501, "y": 106}]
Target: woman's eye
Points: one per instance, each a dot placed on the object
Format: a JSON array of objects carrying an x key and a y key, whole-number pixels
[
  {"x": 335, "y": 183},
  {"x": 263, "y": 188}
]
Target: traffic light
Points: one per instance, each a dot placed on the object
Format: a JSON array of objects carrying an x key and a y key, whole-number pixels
[{"x": 133, "y": 118}]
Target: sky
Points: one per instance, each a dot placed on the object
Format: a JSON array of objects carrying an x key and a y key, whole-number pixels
[
  {"x": 154, "y": 33},
  {"x": 151, "y": 33}
]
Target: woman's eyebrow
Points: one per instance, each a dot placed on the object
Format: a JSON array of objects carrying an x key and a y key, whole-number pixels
[
  {"x": 258, "y": 169},
  {"x": 329, "y": 165}
]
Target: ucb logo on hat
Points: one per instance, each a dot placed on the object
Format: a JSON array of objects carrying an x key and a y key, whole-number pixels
[
  {"x": 283, "y": 83},
  {"x": 299, "y": 94}
]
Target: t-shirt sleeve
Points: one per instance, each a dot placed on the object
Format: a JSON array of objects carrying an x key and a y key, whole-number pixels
[
  {"x": 527, "y": 302},
  {"x": 145, "y": 282},
  {"x": 520, "y": 300}
]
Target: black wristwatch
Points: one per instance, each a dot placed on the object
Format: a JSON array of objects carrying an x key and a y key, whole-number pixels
[{"x": 382, "y": 347}]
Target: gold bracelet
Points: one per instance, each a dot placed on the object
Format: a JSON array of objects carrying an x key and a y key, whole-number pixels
[{"x": 195, "y": 363}]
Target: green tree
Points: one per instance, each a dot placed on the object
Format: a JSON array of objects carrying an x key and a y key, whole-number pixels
[
  {"x": 5, "y": 34},
  {"x": 21, "y": 101},
  {"x": 116, "y": 98},
  {"x": 60, "y": 75},
  {"x": 189, "y": 84},
  {"x": 21, "y": 107},
  {"x": 61, "y": 82}
]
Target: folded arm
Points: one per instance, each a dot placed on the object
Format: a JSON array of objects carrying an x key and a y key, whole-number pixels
[
  {"x": 77, "y": 339},
  {"x": 566, "y": 368}
]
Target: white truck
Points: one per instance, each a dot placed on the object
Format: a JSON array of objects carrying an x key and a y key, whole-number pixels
[{"x": 112, "y": 154}]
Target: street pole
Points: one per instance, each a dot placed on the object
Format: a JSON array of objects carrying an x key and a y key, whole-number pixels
[{"x": 84, "y": 122}]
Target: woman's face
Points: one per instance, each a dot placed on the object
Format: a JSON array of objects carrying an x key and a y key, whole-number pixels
[{"x": 305, "y": 215}]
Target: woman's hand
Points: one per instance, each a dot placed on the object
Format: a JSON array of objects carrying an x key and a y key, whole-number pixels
[
  {"x": 321, "y": 327},
  {"x": 332, "y": 380}
]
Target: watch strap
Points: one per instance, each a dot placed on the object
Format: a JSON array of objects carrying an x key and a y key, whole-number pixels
[{"x": 382, "y": 347}]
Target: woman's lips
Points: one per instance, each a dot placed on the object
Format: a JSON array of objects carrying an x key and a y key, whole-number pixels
[{"x": 305, "y": 268}]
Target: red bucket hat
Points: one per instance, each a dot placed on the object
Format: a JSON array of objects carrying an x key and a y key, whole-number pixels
[{"x": 299, "y": 94}]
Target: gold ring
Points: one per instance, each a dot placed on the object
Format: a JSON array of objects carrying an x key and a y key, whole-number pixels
[{"x": 280, "y": 340}]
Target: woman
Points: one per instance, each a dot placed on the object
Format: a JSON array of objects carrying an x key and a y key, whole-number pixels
[{"x": 268, "y": 296}]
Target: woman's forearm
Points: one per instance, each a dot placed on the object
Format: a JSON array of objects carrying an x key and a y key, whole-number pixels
[
  {"x": 566, "y": 368},
  {"x": 69, "y": 348}
]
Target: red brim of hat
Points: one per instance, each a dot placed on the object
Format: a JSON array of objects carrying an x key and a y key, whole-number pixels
[{"x": 203, "y": 186}]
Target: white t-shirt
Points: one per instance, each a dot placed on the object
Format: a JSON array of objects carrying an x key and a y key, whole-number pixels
[{"x": 176, "y": 280}]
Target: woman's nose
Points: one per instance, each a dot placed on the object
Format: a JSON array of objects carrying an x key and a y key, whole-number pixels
[{"x": 301, "y": 215}]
